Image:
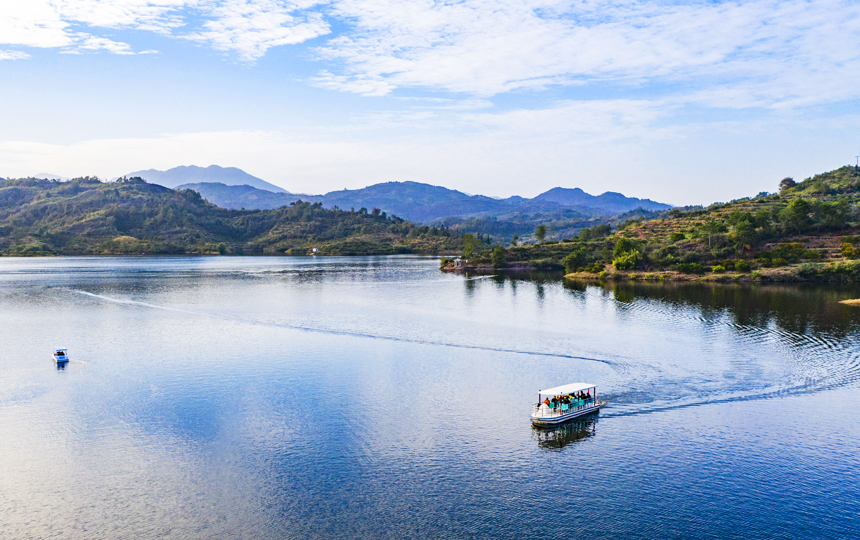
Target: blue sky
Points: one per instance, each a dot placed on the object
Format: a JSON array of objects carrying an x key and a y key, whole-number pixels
[{"x": 681, "y": 102}]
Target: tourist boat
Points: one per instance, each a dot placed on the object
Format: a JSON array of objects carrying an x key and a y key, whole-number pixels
[
  {"x": 60, "y": 355},
  {"x": 565, "y": 402}
]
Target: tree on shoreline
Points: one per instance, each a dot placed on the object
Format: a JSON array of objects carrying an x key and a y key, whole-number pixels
[{"x": 499, "y": 257}]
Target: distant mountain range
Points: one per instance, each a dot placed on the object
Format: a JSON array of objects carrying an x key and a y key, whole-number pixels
[
  {"x": 250, "y": 198},
  {"x": 229, "y": 176},
  {"x": 422, "y": 203},
  {"x": 610, "y": 201},
  {"x": 49, "y": 176},
  {"x": 425, "y": 203}
]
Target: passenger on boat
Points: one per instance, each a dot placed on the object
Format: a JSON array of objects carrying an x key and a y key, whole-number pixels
[{"x": 546, "y": 402}]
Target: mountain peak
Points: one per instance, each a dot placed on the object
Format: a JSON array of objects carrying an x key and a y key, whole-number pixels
[
  {"x": 192, "y": 174},
  {"x": 610, "y": 201},
  {"x": 49, "y": 176}
]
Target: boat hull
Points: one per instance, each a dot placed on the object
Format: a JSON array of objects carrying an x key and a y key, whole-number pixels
[
  {"x": 553, "y": 420},
  {"x": 61, "y": 360}
]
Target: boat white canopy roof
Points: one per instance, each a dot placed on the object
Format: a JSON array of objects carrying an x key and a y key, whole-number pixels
[
  {"x": 58, "y": 349},
  {"x": 569, "y": 388}
]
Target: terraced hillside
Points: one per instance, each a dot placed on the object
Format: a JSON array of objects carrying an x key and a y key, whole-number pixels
[{"x": 809, "y": 230}]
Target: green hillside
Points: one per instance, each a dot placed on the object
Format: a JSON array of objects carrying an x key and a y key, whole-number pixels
[
  {"x": 87, "y": 216},
  {"x": 809, "y": 230}
]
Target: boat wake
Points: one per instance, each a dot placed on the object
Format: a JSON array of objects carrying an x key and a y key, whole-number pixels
[
  {"x": 744, "y": 362},
  {"x": 616, "y": 364},
  {"x": 733, "y": 362}
]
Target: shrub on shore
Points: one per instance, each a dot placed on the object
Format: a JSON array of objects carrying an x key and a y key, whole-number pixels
[{"x": 691, "y": 268}]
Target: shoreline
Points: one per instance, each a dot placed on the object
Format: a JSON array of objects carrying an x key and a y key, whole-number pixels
[
  {"x": 796, "y": 273},
  {"x": 215, "y": 254},
  {"x": 841, "y": 272}
]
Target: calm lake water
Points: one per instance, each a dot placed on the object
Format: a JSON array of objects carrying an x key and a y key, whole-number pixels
[{"x": 220, "y": 397}]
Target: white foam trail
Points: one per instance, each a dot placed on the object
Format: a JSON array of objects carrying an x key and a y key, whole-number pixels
[
  {"x": 134, "y": 302},
  {"x": 836, "y": 364},
  {"x": 615, "y": 364}
]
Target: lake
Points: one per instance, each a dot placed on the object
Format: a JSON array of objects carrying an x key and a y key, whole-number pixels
[{"x": 263, "y": 397}]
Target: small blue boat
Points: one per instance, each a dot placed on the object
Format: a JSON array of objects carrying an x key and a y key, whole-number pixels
[{"x": 60, "y": 355}]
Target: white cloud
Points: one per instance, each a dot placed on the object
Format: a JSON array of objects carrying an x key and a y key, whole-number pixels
[
  {"x": 91, "y": 43},
  {"x": 33, "y": 24},
  {"x": 744, "y": 53},
  {"x": 770, "y": 51},
  {"x": 592, "y": 122},
  {"x": 246, "y": 27},
  {"x": 13, "y": 55},
  {"x": 52, "y": 24},
  {"x": 250, "y": 27},
  {"x": 359, "y": 84},
  {"x": 153, "y": 15}
]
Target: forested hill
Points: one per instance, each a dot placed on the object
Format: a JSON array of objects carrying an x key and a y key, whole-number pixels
[
  {"x": 809, "y": 230},
  {"x": 87, "y": 216}
]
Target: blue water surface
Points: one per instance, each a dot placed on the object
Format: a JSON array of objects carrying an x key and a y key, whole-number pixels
[{"x": 232, "y": 397}]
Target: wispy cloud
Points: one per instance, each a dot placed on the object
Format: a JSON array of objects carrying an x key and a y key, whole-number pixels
[
  {"x": 767, "y": 52},
  {"x": 251, "y": 27},
  {"x": 584, "y": 122},
  {"x": 152, "y": 15},
  {"x": 13, "y": 55},
  {"x": 92, "y": 43},
  {"x": 366, "y": 85},
  {"x": 56, "y": 24},
  {"x": 246, "y": 27},
  {"x": 743, "y": 53}
]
